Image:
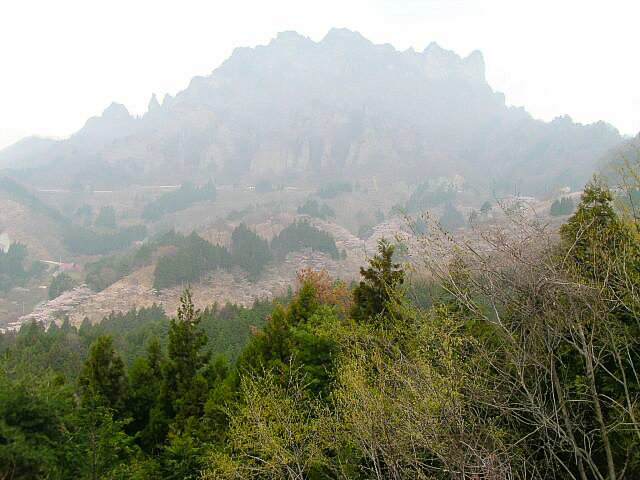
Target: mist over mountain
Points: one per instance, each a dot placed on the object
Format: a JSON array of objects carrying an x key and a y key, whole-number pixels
[
  {"x": 296, "y": 110},
  {"x": 26, "y": 153}
]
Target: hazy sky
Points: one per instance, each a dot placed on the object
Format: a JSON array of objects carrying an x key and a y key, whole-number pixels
[{"x": 63, "y": 61}]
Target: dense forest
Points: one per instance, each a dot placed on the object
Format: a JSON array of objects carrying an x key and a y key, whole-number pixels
[
  {"x": 194, "y": 256},
  {"x": 314, "y": 209},
  {"x": 300, "y": 235},
  {"x": 518, "y": 360},
  {"x": 562, "y": 206}
]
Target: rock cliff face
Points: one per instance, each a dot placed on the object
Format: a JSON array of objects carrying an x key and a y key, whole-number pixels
[{"x": 296, "y": 109}]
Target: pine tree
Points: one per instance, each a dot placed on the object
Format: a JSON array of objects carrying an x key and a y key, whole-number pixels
[
  {"x": 60, "y": 284},
  {"x": 106, "y": 218},
  {"x": 185, "y": 386},
  {"x": 148, "y": 423},
  {"x": 379, "y": 281},
  {"x": 103, "y": 378},
  {"x": 596, "y": 238},
  {"x": 250, "y": 251}
]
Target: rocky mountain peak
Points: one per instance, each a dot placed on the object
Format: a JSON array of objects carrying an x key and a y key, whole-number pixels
[
  {"x": 290, "y": 37},
  {"x": 474, "y": 64},
  {"x": 154, "y": 105},
  {"x": 345, "y": 37},
  {"x": 116, "y": 111},
  {"x": 114, "y": 122},
  {"x": 343, "y": 106}
]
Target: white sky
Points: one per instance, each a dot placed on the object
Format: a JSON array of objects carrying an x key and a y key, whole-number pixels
[{"x": 62, "y": 61}]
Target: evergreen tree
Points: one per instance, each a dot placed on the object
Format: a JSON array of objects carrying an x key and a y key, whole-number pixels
[
  {"x": 379, "y": 281},
  {"x": 145, "y": 382},
  {"x": 562, "y": 206},
  {"x": 106, "y": 218},
  {"x": 194, "y": 258},
  {"x": 36, "y": 414},
  {"x": 184, "y": 386},
  {"x": 597, "y": 238},
  {"x": 250, "y": 251},
  {"x": 60, "y": 284},
  {"x": 103, "y": 381},
  {"x": 313, "y": 209},
  {"x": 293, "y": 340},
  {"x": 300, "y": 235},
  {"x": 13, "y": 270},
  {"x": 105, "y": 447}
]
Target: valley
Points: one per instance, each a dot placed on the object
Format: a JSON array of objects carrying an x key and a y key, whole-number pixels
[{"x": 325, "y": 259}]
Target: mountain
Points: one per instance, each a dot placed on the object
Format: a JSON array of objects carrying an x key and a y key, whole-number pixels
[
  {"x": 622, "y": 161},
  {"x": 299, "y": 110},
  {"x": 26, "y": 152}
]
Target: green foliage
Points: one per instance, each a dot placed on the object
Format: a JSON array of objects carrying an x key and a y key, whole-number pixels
[
  {"x": 13, "y": 272},
  {"x": 106, "y": 218},
  {"x": 562, "y": 206},
  {"x": 229, "y": 328},
  {"x": 103, "y": 380},
  {"x": 250, "y": 251},
  {"x": 426, "y": 196},
  {"x": 399, "y": 392},
  {"x": 181, "y": 457},
  {"x": 278, "y": 431},
  {"x": 595, "y": 236},
  {"x": 193, "y": 258},
  {"x": 187, "y": 195},
  {"x": 154, "y": 424},
  {"x": 313, "y": 209},
  {"x": 374, "y": 292},
  {"x": 514, "y": 370},
  {"x": 185, "y": 387},
  {"x": 485, "y": 208},
  {"x": 109, "y": 269},
  {"x": 293, "y": 339},
  {"x": 84, "y": 241},
  {"x": 34, "y": 419},
  {"x": 300, "y": 235},
  {"x": 65, "y": 348},
  {"x": 105, "y": 450},
  {"x": 44, "y": 433},
  {"x": 61, "y": 283},
  {"x": 145, "y": 382}
]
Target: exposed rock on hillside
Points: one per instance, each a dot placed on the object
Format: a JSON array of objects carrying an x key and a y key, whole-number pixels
[{"x": 341, "y": 107}]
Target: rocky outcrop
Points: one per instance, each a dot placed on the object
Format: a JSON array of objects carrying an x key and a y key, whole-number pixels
[{"x": 340, "y": 107}]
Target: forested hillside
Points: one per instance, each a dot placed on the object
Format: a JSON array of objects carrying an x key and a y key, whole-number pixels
[{"x": 518, "y": 360}]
